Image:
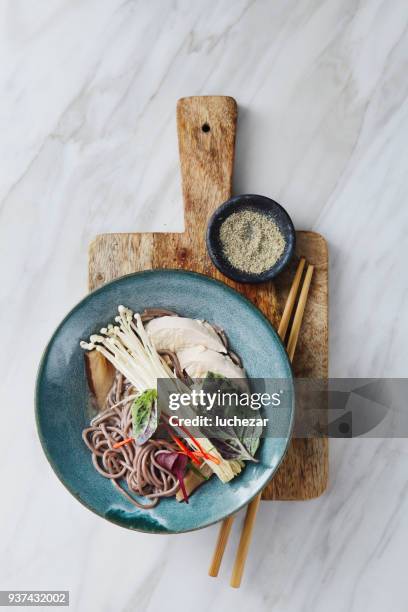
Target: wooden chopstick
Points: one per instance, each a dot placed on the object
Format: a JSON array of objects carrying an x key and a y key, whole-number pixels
[
  {"x": 219, "y": 550},
  {"x": 297, "y": 321},
  {"x": 253, "y": 506},
  {"x": 227, "y": 523},
  {"x": 290, "y": 302}
]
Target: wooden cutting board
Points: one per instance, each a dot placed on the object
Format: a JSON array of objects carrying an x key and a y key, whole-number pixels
[{"x": 206, "y": 131}]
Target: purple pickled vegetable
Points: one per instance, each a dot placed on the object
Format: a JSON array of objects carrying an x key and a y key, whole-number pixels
[{"x": 175, "y": 463}]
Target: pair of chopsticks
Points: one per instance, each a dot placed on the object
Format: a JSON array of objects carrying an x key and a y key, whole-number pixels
[{"x": 253, "y": 506}]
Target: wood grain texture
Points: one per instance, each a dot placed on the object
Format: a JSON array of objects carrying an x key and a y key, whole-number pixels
[
  {"x": 304, "y": 471},
  {"x": 207, "y": 159}
]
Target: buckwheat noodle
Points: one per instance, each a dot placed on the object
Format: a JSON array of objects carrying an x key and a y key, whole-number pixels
[{"x": 135, "y": 465}]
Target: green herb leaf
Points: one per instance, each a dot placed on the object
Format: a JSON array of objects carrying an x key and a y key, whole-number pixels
[
  {"x": 231, "y": 442},
  {"x": 144, "y": 416}
]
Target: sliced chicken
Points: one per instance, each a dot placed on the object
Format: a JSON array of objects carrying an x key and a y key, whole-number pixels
[{"x": 175, "y": 333}]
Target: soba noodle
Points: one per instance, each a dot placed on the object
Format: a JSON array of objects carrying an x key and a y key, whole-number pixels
[{"x": 136, "y": 465}]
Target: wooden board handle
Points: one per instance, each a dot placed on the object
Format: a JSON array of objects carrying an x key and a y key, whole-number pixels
[{"x": 206, "y": 127}]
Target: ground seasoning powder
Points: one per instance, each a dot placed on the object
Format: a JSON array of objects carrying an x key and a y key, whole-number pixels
[{"x": 251, "y": 241}]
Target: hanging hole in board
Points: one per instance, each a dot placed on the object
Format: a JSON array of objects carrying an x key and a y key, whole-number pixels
[{"x": 205, "y": 127}]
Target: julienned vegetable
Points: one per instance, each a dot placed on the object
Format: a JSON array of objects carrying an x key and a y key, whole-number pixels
[{"x": 124, "y": 438}]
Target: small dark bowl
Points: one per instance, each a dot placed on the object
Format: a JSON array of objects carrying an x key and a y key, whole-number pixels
[{"x": 260, "y": 204}]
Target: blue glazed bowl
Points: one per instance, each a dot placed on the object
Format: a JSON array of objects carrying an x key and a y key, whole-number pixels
[{"x": 63, "y": 408}]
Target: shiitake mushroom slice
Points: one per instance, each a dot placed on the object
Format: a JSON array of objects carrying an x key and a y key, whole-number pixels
[{"x": 100, "y": 375}]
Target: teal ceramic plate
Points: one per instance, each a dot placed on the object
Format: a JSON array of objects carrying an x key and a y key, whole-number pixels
[{"x": 62, "y": 400}]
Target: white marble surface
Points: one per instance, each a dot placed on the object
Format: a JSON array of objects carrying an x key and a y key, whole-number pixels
[{"x": 88, "y": 144}]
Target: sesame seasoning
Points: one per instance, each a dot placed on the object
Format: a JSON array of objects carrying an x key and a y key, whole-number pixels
[{"x": 251, "y": 241}]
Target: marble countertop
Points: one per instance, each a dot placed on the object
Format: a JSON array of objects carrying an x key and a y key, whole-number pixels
[{"x": 88, "y": 144}]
